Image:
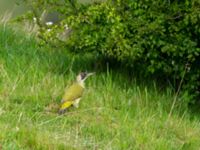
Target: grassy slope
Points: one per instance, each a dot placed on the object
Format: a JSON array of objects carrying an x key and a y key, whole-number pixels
[{"x": 115, "y": 113}]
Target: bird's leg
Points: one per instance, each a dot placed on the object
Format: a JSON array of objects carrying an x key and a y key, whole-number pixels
[{"x": 76, "y": 103}]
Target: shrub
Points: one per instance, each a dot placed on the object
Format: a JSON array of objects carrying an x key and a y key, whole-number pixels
[{"x": 161, "y": 36}]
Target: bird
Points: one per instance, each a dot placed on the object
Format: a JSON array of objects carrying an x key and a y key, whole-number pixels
[{"x": 73, "y": 94}]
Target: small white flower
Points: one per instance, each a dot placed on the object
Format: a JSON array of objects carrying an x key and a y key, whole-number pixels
[
  {"x": 17, "y": 128},
  {"x": 34, "y": 19},
  {"x": 66, "y": 27},
  {"x": 49, "y": 23}
]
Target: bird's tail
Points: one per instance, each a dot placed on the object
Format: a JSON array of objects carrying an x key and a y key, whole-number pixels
[{"x": 64, "y": 107}]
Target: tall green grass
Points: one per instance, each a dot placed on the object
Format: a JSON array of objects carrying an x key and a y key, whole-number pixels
[{"x": 117, "y": 112}]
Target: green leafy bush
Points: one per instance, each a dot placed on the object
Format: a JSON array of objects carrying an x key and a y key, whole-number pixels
[{"x": 161, "y": 36}]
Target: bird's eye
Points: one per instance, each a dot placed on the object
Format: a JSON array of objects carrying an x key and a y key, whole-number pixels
[{"x": 83, "y": 75}]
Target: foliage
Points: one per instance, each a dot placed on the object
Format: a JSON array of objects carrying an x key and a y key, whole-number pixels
[{"x": 160, "y": 36}]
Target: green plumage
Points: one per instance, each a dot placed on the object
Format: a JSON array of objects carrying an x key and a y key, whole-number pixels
[{"x": 71, "y": 94}]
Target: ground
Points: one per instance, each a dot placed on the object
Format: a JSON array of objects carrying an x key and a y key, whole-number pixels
[{"x": 117, "y": 111}]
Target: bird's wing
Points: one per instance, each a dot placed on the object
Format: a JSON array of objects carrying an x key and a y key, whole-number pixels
[{"x": 72, "y": 93}]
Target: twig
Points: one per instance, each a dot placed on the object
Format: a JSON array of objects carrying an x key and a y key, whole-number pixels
[{"x": 177, "y": 93}]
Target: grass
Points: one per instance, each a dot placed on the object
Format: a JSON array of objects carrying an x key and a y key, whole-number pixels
[{"x": 116, "y": 113}]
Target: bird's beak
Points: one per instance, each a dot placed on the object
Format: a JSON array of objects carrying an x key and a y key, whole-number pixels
[{"x": 90, "y": 74}]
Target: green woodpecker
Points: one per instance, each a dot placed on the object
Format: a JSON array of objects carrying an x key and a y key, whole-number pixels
[{"x": 73, "y": 94}]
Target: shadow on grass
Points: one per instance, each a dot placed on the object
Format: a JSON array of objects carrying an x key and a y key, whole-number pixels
[
  {"x": 19, "y": 52},
  {"x": 60, "y": 61}
]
